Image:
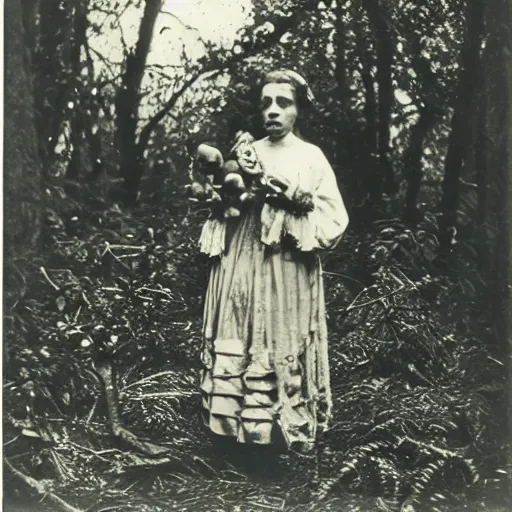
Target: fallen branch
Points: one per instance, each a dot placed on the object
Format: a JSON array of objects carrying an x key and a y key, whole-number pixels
[
  {"x": 93, "y": 410},
  {"x": 373, "y": 301},
  {"x": 43, "y": 271},
  {"x": 41, "y": 489},
  {"x": 164, "y": 394},
  {"x": 440, "y": 451},
  {"x": 342, "y": 275},
  {"x": 121, "y": 246},
  {"x": 161, "y": 292},
  {"x": 146, "y": 379},
  {"x": 96, "y": 453}
]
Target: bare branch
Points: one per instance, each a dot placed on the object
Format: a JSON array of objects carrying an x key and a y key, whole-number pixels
[
  {"x": 105, "y": 60},
  {"x": 41, "y": 488},
  {"x": 180, "y": 21},
  {"x": 159, "y": 71},
  {"x": 217, "y": 63}
]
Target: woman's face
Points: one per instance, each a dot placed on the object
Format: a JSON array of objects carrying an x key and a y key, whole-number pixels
[{"x": 279, "y": 109}]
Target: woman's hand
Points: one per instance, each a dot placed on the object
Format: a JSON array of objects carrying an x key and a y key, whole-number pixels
[
  {"x": 279, "y": 186},
  {"x": 288, "y": 197}
]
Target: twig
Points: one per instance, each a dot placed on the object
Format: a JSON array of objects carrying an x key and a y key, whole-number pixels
[
  {"x": 404, "y": 277},
  {"x": 86, "y": 300},
  {"x": 107, "y": 249},
  {"x": 77, "y": 314},
  {"x": 11, "y": 440},
  {"x": 131, "y": 255},
  {"x": 146, "y": 379},
  {"x": 41, "y": 489},
  {"x": 121, "y": 246},
  {"x": 164, "y": 394},
  {"x": 440, "y": 451},
  {"x": 179, "y": 20},
  {"x": 63, "y": 474},
  {"x": 92, "y": 452},
  {"x": 373, "y": 301},
  {"x": 18, "y": 455},
  {"x": 342, "y": 275},
  {"x": 54, "y": 286},
  {"x": 145, "y": 288}
]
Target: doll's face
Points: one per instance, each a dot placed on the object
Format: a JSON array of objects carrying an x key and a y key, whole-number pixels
[{"x": 279, "y": 109}]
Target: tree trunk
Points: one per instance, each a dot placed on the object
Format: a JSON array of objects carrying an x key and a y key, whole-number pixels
[
  {"x": 30, "y": 10},
  {"x": 86, "y": 153},
  {"x": 481, "y": 160},
  {"x": 433, "y": 98},
  {"x": 107, "y": 374},
  {"x": 22, "y": 169},
  {"x": 346, "y": 139},
  {"x": 412, "y": 162},
  {"x": 52, "y": 77},
  {"x": 498, "y": 161},
  {"x": 380, "y": 20},
  {"x": 341, "y": 60},
  {"x": 127, "y": 104},
  {"x": 22, "y": 174},
  {"x": 77, "y": 163},
  {"x": 498, "y": 208},
  {"x": 219, "y": 63},
  {"x": 461, "y": 126},
  {"x": 368, "y": 179}
]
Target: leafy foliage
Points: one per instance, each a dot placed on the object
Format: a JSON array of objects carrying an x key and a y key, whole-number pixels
[
  {"x": 413, "y": 409},
  {"x": 416, "y": 369}
]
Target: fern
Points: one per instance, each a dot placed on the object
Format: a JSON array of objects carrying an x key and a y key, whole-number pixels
[{"x": 421, "y": 479}]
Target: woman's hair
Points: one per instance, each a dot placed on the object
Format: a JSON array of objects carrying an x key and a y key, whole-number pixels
[{"x": 303, "y": 94}]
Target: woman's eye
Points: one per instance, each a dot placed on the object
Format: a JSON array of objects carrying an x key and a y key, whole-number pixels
[
  {"x": 266, "y": 102},
  {"x": 284, "y": 102}
]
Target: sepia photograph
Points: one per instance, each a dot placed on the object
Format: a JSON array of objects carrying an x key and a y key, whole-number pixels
[{"x": 257, "y": 256}]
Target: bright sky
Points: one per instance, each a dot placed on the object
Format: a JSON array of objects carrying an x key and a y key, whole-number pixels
[
  {"x": 215, "y": 20},
  {"x": 212, "y": 20},
  {"x": 180, "y": 23},
  {"x": 179, "y": 27}
]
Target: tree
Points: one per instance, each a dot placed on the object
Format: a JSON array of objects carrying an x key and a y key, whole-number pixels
[
  {"x": 368, "y": 147},
  {"x": 432, "y": 101},
  {"x": 498, "y": 183},
  {"x": 379, "y": 15},
  {"x": 251, "y": 42},
  {"x": 84, "y": 139},
  {"x": 127, "y": 103},
  {"x": 22, "y": 165},
  {"x": 460, "y": 132},
  {"x": 354, "y": 165},
  {"x": 22, "y": 176},
  {"x": 51, "y": 26}
]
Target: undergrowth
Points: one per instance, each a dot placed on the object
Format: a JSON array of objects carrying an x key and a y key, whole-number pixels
[{"x": 416, "y": 390}]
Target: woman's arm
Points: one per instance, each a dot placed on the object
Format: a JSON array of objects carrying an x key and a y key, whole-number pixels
[
  {"x": 313, "y": 213},
  {"x": 329, "y": 215}
]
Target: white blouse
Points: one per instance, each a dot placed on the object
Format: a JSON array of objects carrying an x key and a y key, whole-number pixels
[{"x": 302, "y": 166}]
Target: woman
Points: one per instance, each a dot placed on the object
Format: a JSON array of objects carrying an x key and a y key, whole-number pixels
[{"x": 266, "y": 373}]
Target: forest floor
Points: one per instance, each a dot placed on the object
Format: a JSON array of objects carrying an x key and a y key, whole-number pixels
[{"x": 409, "y": 433}]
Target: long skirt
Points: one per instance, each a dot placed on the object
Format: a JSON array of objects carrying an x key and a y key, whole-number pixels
[{"x": 265, "y": 375}]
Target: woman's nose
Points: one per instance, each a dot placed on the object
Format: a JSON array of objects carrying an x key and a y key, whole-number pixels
[{"x": 272, "y": 114}]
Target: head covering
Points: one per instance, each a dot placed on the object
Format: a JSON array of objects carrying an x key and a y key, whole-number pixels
[
  {"x": 302, "y": 82},
  {"x": 303, "y": 91}
]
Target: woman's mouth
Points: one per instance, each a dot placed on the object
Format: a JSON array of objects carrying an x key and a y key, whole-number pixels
[{"x": 272, "y": 124}]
